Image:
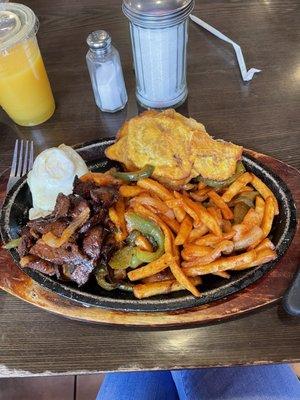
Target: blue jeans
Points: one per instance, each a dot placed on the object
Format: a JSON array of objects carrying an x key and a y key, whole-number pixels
[{"x": 275, "y": 382}]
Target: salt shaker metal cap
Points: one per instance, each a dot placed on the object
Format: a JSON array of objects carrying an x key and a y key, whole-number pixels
[
  {"x": 105, "y": 71},
  {"x": 157, "y": 13},
  {"x": 98, "y": 40}
]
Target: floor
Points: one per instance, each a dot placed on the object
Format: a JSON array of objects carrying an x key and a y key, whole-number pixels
[{"x": 81, "y": 387}]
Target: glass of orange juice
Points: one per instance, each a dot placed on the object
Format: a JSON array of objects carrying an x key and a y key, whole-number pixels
[{"x": 25, "y": 92}]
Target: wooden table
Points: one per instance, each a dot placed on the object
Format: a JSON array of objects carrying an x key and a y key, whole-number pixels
[{"x": 262, "y": 115}]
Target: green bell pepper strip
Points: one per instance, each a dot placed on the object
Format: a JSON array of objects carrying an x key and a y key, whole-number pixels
[
  {"x": 136, "y": 175},
  {"x": 239, "y": 212},
  {"x": 240, "y": 169},
  {"x": 100, "y": 275},
  {"x": 123, "y": 258},
  {"x": 133, "y": 256},
  {"x": 125, "y": 286},
  {"x": 247, "y": 198},
  {"x": 131, "y": 238},
  {"x": 12, "y": 244}
]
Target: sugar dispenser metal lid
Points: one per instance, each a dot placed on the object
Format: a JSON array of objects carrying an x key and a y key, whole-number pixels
[{"x": 157, "y": 13}]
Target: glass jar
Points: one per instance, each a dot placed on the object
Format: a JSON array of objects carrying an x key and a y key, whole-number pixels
[
  {"x": 159, "y": 35},
  {"x": 105, "y": 71},
  {"x": 25, "y": 92}
]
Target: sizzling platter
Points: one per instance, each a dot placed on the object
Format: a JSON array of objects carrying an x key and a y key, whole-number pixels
[{"x": 14, "y": 215}]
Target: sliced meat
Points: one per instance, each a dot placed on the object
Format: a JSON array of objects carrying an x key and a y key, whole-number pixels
[
  {"x": 66, "y": 254},
  {"x": 41, "y": 225},
  {"x": 62, "y": 206},
  {"x": 105, "y": 195},
  {"x": 27, "y": 241},
  {"x": 56, "y": 227},
  {"x": 96, "y": 219},
  {"x": 79, "y": 274},
  {"x": 110, "y": 226},
  {"x": 44, "y": 266},
  {"x": 38, "y": 225},
  {"x": 58, "y": 222},
  {"x": 108, "y": 248},
  {"x": 83, "y": 188},
  {"x": 92, "y": 242},
  {"x": 78, "y": 204}
]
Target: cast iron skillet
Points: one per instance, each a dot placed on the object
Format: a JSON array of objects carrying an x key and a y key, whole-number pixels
[{"x": 14, "y": 214}]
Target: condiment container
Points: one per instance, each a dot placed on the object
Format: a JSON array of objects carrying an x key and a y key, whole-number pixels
[
  {"x": 159, "y": 35},
  {"x": 25, "y": 92},
  {"x": 106, "y": 74}
]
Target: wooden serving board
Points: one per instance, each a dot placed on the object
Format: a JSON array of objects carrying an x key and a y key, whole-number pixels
[{"x": 267, "y": 290}]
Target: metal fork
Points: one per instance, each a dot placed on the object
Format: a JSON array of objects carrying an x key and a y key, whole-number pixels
[{"x": 22, "y": 161}]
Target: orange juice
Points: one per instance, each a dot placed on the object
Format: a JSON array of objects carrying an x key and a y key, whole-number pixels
[{"x": 25, "y": 92}]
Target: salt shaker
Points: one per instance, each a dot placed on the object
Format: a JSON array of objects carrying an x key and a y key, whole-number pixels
[
  {"x": 159, "y": 34},
  {"x": 106, "y": 74}
]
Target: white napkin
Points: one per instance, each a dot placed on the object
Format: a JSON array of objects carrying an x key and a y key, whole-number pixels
[{"x": 246, "y": 75}]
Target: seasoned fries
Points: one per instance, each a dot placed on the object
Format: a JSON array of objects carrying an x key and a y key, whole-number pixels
[
  {"x": 201, "y": 195},
  {"x": 259, "y": 208},
  {"x": 264, "y": 191},
  {"x": 100, "y": 178},
  {"x": 199, "y": 214},
  {"x": 197, "y": 233},
  {"x": 226, "y": 226},
  {"x": 201, "y": 234},
  {"x": 222, "y": 274},
  {"x": 165, "y": 275},
  {"x": 222, "y": 264},
  {"x": 270, "y": 211},
  {"x": 263, "y": 256},
  {"x": 265, "y": 244},
  {"x": 151, "y": 268},
  {"x": 245, "y": 189},
  {"x": 172, "y": 223},
  {"x": 117, "y": 217},
  {"x": 216, "y": 214},
  {"x": 267, "y": 221},
  {"x": 162, "y": 192},
  {"x": 181, "y": 277},
  {"x": 156, "y": 188},
  {"x": 211, "y": 240},
  {"x": 155, "y": 288},
  {"x": 154, "y": 204},
  {"x": 179, "y": 213},
  {"x": 252, "y": 218},
  {"x": 184, "y": 231},
  {"x": 219, "y": 202},
  {"x": 249, "y": 238},
  {"x": 225, "y": 247},
  {"x": 130, "y": 191},
  {"x": 236, "y": 186},
  {"x": 193, "y": 251}
]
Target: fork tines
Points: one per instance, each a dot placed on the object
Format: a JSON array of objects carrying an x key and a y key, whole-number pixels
[{"x": 22, "y": 158}]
